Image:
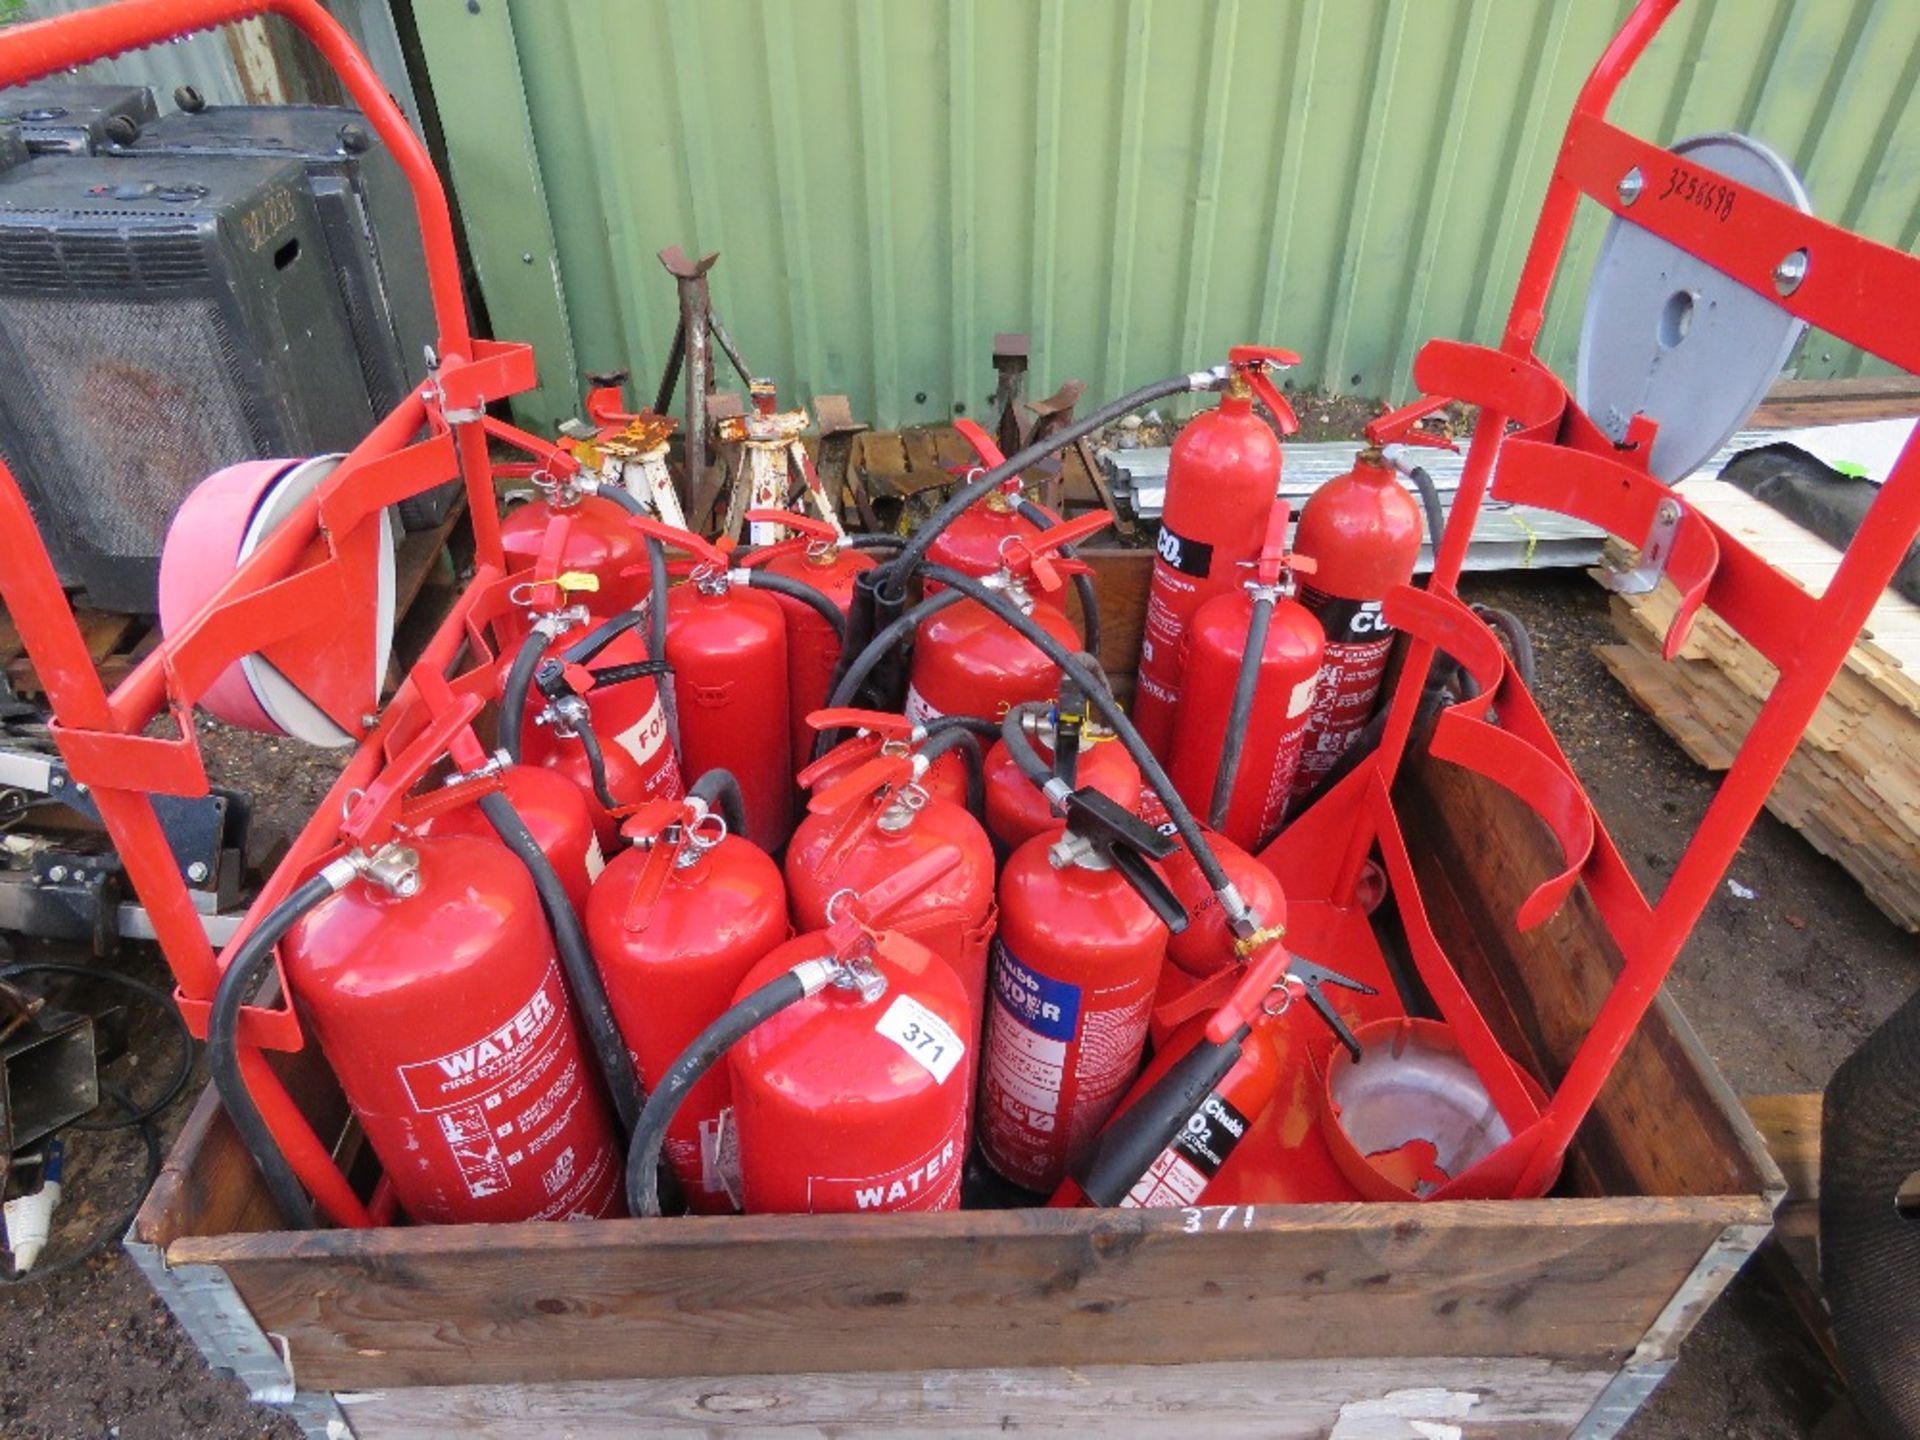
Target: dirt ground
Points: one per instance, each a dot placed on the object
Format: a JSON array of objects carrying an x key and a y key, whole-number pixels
[{"x": 1780, "y": 987}]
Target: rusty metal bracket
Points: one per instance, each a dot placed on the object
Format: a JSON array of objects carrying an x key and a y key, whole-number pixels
[{"x": 1010, "y": 352}]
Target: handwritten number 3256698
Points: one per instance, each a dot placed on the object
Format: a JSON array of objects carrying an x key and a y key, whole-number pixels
[{"x": 1711, "y": 196}]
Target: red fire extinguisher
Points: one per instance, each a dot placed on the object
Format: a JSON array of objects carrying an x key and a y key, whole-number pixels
[
  {"x": 1253, "y": 657},
  {"x": 727, "y": 645},
  {"x": 854, "y": 1099},
  {"x": 553, "y": 808},
  {"x": 977, "y": 540},
  {"x": 434, "y": 990},
  {"x": 821, "y": 559},
  {"x": 1208, "y": 946},
  {"x": 1221, "y": 481},
  {"x": 600, "y": 542},
  {"x": 1362, "y": 531},
  {"x": 875, "y": 822},
  {"x": 967, "y": 661},
  {"x": 880, "y": 733},
  {"x": 675, "y": 924},
  {"x": 1084, "y": 919},
  {"x": 1072, "y": 747},
  {"x": 1208, "y": 1086}
]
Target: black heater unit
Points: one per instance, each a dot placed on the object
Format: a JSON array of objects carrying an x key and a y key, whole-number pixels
[
  {"x": 66, "y": 117},
  {"x": 160, "y": 318},
  {"x": 13, "y": 145}
]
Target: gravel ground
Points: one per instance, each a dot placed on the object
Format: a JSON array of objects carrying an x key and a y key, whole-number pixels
[{"x": 1781, "y": 987}]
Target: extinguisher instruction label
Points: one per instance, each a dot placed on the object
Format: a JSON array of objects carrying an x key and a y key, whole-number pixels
[
  {"x": 1034, "y": 1018},
  {"x": 928, "y": 1182},
  {"x": 1359, "y": 642},
  {"x": 932, "y": 1043},
  {"x": 1185, "y": 1167}
]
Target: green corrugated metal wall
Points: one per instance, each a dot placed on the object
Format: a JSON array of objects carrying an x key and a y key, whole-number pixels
[{"x": 1136, "y": 183}]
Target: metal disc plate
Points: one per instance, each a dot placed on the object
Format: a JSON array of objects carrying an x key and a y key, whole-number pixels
[{"x": 1668, "y": 336}]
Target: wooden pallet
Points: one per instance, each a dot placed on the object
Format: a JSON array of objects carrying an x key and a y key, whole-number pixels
[{"x": 1852, "y": 786}]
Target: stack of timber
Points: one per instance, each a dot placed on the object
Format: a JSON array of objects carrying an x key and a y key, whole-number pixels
[{"x": 1853, "y": 784}]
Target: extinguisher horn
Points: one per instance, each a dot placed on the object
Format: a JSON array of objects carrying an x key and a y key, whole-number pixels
[{"x": 1101, "y": 833}]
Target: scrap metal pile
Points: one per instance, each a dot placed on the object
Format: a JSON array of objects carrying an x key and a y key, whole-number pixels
[{"x": 828, "y": 873}]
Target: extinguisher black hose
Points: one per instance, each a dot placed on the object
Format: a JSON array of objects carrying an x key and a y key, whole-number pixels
[
  {"x": 514, "y": 691},
  {"x": 957, "y": 737},
  {"x": 799, "y": 590},
  {"x": 596, "y": 762},
  {"x": 583, "y": 976},
  {"x": 720, "y": 789},
  {"x": 913, "y": 556},
  {"x": 650, "y": 1135},
  {"x": 876, "y": 650},
  {"x": 1429, "y": 495},
  {"x": 620, "y": 674},
  {"x": 244, "y": 970},
  {"x": 1513, "y": 630},
  {"x": 1020, "y": 747},
  {"x": 602, "y": 635},
  {"x": 1082, "y": 584},
  {"x": 876, "y": 542},
  {"x": 1246, "y": 685},
  {"x": 1151, "y": 771}
]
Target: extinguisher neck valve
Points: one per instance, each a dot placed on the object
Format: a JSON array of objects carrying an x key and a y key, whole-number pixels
[
  {"x": 494, "y": 764},
  {"x": 558, "y": 621},
  {"x": 1217, "y": 378},
  {"x": 394, "y": 867},
  {"x": 563, "y": 491},
  {"x": 1012, "y": 586},
  {"x": 565, "y": 713},
  {"x": 905, "y": 803},
  {"x": 856, "y": 972},
  {"x": 1240, "y": 917},
  {"x": 815, "y": 975}
]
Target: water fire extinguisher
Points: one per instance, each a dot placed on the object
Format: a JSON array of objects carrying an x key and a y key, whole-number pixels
[
  {"x": 1253, "y": 658},
  {"x": 727, "y": 646},
  {"x": 849, "y": 1062},
  {"x": 1362, "y": 531},
  {"x": 674, "y": 924},
  {"x": 877, "y": 732},
  {"x": 976, "y": 541},
  {"x": 1043, "y": 755},
  {"x": 1199, "y": 1100},
  {"x": 968, "y": 661},
  {"x": 1084, "y": 920},
  {"x": 1221, "y": 482},
  {"x": 878, "y": 820},
  {"x": 428, "y": 976},
  {"x": 821, "y": 559},
  {"x": 551, "y": 806}
]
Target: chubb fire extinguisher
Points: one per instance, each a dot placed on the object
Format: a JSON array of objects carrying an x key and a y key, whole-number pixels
[
  {"x": 1253, "y": 658},
  {"x": 675, "y": 923},
  {"x": 874, "y": 823},
  {"x": 727, "y": 646},
  {"x": 977, "y": 539},
  {"x": 1362, "y": 531},
  {"x": 821, "y": 559},
  {"x": 1084, "y": 919},
  {"x": 436, "y": 994},
  {"x": 968, "y": 661},
  {"x": 879, "y": 732},
  {"x": 849, "y": 1061},
  {"x": 1221, "y": 482}
]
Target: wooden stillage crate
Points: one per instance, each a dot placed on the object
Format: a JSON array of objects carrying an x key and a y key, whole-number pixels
[{"x": 1540, "y": 1318}]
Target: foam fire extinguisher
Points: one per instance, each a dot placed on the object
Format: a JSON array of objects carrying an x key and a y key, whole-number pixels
[
  {"x": 437, "y": 994},
  {"x": 968, "y": 661},
  {"x": 876, "y": 821},
  {"x": 849, "y": 1062},
  {"x": 1199, "y": 1099},
  {"x": 1221, "y": 482},
  {"x": 1253, "y": 658},
  {"x": 821, "y": 559},
  {"x": 1362, "y": 531},
  {"x": 1043, "y": 755},
  {"x": 727, "y": 647},
  {"x": 1084, "y": 919},
  {"x": 877, "y": 733},
  {"x": 675, "y": 923}
]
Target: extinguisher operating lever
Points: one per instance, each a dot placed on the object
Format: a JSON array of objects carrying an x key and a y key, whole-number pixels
[
  {"x": 1250, "y": 363},
  {"x": 1097, "y": 825},
  {"x": 1312, "y": 978},
  {"x": 1400, "y": 427}
]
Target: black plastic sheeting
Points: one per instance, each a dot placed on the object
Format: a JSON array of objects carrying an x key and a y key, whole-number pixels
[{"x": 1816, "y": 497}]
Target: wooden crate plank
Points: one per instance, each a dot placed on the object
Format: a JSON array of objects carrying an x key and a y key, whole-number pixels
[
  {"x": 1508, "y": 1398},
  {"x": 1578, "y": 1280}
]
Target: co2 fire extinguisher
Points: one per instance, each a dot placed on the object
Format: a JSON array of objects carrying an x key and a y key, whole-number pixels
[
  {"x": 821, "y": 559},
  {"x": 1362, "y": 532},
  {"x": 1208, "y": 946},
  {"x": 1198, "y": 1101},
  {"x": 876, "y": 822},
  {"x": 1221, "y": 482},
  {"x": 675, "y": 923},
  {"x": 968, "y": 661},
  {"x": 1084, "y": 919},
  {"x": 1253, "y": 658},
  {"x": 849, "y": 1062}
]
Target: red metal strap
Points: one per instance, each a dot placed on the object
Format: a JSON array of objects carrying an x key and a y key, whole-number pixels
[
  {"x": 359, "y": 488},
  {"x": 104, "y": 760},
  {"x": 1519, "y": 388},
  {"x": 499, "y": 368}
]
